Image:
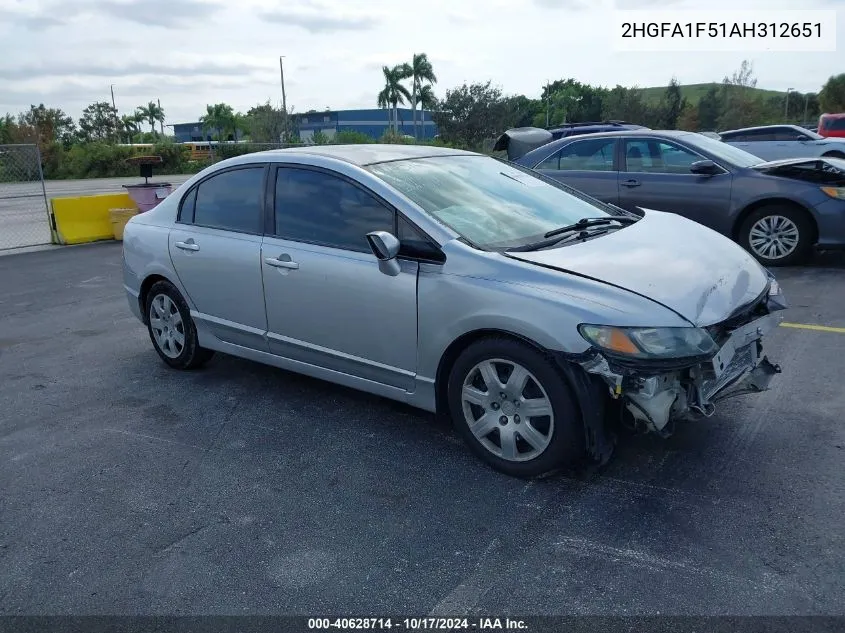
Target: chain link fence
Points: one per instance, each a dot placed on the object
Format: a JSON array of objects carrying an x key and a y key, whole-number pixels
[{"x": 24, "y": 215}]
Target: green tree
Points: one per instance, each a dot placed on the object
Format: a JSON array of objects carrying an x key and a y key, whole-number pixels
[
  {"x": 671, "y": 106},
  {"x": 265, "y": 123},
  {"x": 152, "y": 113},
  {"x": 471, "y": 114},
  {"x": 627, "y": 104},
  {"x": 688, "y": 119},
  {"x": 426, "y": 101},
  {"x": 129, "y": 126},
  {"x": 568, "y": 100},
  {"x": 51, "y": 125},
  {"x": 220, "y": 119},
  {"x": 99, "y": 122},
  {"x": 8, "y": 129},
  {"x": 394, "y": 92},
  {"x": 832, "y": 95},
  {"x": 741, "y": 107},
  {"x": 421, "y": 73},
  {"x": 709, "y": 110}
]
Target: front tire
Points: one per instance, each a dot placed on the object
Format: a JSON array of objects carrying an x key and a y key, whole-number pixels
[
  {"x": 777, "y": 235},
  {"x": 514, "y": 408},
  {"x": 172, "y": 329}
]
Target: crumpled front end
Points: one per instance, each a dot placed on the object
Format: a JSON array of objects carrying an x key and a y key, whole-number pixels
[{"x": 658, "y": 394}]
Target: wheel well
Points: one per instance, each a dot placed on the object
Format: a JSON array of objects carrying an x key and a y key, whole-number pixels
[
  {"x": 145, "y": 288},
  {"x": 834, "y": 154},
  {"x": 447, "y": 361},
  {"x": 751, "y": 208}
]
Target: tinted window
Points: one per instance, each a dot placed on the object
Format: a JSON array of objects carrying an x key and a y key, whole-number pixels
[
  {"x": 589, "y": 155},
  {"x": 231, "y": 201},
  {"x": 316, "y": 207},
  {"x": 415, "y": 244},
  {"x": 660, "y": 157},
  {"x": 834, "y": 124},
  {"x": 186, "y": 213}
]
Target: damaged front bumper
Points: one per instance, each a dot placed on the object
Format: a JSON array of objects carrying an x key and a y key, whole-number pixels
[{"x": 655, "y": 398}]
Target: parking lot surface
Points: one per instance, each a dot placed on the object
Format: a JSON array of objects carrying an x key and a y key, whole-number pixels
[{"x": 129, "y": 488}]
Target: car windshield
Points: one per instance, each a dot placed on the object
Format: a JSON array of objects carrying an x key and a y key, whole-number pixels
[
  {"x": 811, "y": 134},
  {"x": 722, "y": 151},
  {"x": 490, "y": 203}
]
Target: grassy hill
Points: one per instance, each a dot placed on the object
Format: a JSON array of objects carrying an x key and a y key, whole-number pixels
[{"x": 694, "y": 92}]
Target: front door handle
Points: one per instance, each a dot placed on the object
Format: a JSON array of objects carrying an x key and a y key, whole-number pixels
[
  {"x": 280, "y": 263},
  {"x": 630, "y": 183},
  {"x": 187, "y": 246}
]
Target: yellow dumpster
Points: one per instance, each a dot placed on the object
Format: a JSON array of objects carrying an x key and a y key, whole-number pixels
[{"x": 118, "y": 219}]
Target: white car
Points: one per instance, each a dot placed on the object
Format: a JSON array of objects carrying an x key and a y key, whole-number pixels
[{"x": 773, "y": 142}]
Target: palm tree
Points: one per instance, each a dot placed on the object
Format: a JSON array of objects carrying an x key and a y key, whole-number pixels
[
  {"x": 421, "y": 73},
  {"x": 394, "y": 92},
  {"x": 129, "y": 125},
  {"x": 426, "y": 101},
  {"x": 219, "y": 117},
  {"x": 152, "y": 114}
]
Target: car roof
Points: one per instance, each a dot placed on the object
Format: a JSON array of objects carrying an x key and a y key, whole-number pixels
[
  {"x": 638, "y": 132},
  {"x": 762, "y": 127},
  {"x": 367, "y": 154}
]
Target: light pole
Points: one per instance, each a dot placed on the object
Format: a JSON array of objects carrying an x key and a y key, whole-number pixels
[
  {"x": 786, "y": 107},
  {"x": 111, "y": 87},
  {"x": 284, "y": 99},
  {"x": 806, "y": 100}
]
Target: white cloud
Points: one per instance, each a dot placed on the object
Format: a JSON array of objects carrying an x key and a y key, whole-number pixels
[{"x": 188, "y": 53}]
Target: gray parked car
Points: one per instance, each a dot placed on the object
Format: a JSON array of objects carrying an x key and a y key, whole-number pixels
[
  {"x": 777, "y": 210},
  {"x": 773, "y": 142},
  {"x": 529, "y": 313}
]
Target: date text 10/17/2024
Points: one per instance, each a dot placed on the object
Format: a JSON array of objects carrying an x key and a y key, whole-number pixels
[
  {"x": 416, "y": 624},
  {"x": 696, "y": 30}
]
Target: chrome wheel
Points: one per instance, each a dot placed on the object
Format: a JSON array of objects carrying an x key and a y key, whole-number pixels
[
  {"x": 774, "y": 237},
  {"x": 507, "y": 410},
  {"x": 167, "y": 326}
]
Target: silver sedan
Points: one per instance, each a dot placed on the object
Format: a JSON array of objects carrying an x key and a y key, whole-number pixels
[{"x": 535, "y": 317}]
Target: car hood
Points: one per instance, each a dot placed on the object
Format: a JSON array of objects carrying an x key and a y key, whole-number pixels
[
  {"x": 697, "y": 273},
  {"x": 824, "y": 171}
]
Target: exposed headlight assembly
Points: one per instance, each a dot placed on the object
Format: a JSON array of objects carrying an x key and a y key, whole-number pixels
[{"x": 649, "y": 342}]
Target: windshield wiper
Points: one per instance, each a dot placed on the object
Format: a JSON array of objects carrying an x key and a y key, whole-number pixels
[
  {"x": 584, "y": 223},
  {"x": 583, "y": 228}
]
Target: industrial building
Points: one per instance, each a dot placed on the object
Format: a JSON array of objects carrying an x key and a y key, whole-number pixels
[{"x": 373, "y": 122}]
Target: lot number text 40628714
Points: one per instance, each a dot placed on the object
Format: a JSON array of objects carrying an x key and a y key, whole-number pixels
[{"x": 415, "y": 624}]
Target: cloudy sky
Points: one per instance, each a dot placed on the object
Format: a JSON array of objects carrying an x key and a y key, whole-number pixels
[{"x": 188, "y": 53}]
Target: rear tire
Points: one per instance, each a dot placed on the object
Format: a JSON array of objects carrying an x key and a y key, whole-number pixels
[
  {"x": 172, "y": 329},
  {"x": 514, "y": 409},
  {"x": 777, "y": 235}
]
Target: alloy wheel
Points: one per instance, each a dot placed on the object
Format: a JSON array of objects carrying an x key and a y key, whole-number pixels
[{"x": 774, "y": 237}]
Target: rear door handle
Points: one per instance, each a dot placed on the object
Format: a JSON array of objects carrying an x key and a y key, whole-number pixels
[
  {"x": 187, "y": 246},
  {"x": 630, "y": 183},
  {"x": 280, "y": 263}
]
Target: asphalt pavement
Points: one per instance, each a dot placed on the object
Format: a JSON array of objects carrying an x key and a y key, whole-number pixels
[
  {"x": 24, "y": 220},
  {"x": 129, "y": 488}
]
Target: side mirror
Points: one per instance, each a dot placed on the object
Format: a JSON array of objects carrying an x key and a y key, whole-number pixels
[
  {"x": 705, "y": 167},
  {"x": 385, "y": 247}
]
